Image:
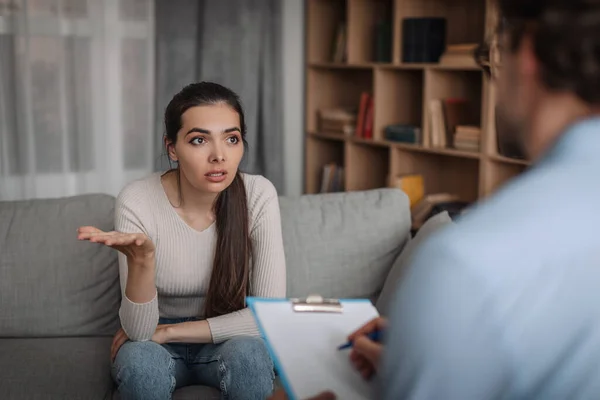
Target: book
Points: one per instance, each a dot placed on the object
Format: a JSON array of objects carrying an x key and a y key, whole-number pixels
[
  {"x": 467, "y": 138},
  {"x": 362, "y": 112},
  {"x": 459, "y": 54},
  {"x": 437, "y": 124},
  {"x": 422, "y": 209},
  {"x": 337, "y": 120},
  {"x": 412, "y": 185},
  {"x": 368, "y": 128}
]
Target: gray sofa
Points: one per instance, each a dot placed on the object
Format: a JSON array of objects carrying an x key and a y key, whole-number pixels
[{"x": 59, "y": 298}]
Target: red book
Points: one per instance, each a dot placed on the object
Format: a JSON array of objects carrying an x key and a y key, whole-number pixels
[
  {"x": 368, "y": 132},
  {"x": 362, "y": 111}
]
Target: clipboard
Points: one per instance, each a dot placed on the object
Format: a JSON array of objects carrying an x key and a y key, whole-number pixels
[{"x": 303, "y": 335}]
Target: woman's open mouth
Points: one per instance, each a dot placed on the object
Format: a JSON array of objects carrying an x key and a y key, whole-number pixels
[{"x": 216, "y": 176}]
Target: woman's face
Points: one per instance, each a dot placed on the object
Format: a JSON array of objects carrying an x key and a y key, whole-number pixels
[{"x": 209, "y": 147}]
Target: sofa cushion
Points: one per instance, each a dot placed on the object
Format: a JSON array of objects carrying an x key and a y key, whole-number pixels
[
  {"x": 195, "y": 392},
  {"x": 392, "y": 281},
  {"x": 51, "y": 284},
  {"x": 343, "y": 244},
  {"x": 56, "y": 368}
]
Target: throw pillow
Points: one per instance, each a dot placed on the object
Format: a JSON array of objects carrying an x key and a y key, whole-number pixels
[{"x": 403, "y": 260}]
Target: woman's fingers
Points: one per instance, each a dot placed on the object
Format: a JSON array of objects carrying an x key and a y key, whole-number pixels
[
  {"x": 122, "y": 239},
  {"x": 91, "y": 235},
  {"x": 118, "y": 341},
  {"x": 88, "y": 229}
]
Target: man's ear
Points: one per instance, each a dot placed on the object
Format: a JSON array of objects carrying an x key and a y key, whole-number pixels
[
  {"x": 170, "y": 149},
  {"x": 528, "y": 63}
]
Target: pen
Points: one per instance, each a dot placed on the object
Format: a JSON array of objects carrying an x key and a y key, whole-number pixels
[{"x": 374, "y": 336}]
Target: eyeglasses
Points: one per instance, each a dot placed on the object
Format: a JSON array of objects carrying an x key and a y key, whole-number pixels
[{"x": 489, "y": 57}]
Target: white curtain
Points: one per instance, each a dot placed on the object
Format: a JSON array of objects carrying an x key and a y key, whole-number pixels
[{"x": 76, "y": 96}]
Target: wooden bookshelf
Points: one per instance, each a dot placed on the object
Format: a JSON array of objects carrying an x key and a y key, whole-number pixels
[{"x": 401, "y": 93}]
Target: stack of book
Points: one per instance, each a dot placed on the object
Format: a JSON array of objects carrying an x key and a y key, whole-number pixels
[
  {"x": 459, "y": 54},
  {"x": 467, "y": 138},
  {"x": 337, "y": 120}
]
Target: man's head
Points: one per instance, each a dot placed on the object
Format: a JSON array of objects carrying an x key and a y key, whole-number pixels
[{"x": 548, "y": 75}]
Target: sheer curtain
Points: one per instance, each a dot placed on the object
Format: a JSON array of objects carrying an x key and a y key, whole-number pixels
[
  {"x": 76, "y": 96},
  {"x": 236, "y": 43}
]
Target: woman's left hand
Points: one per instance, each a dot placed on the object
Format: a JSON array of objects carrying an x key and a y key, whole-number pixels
[
  {"x": 161, "y": 335},
  {"x": 280, "y": 395}
]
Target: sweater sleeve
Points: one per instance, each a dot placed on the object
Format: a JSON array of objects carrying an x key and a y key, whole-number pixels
[
  {"x": 139, "y": 320},
  {"x": 268, "y": 261}
]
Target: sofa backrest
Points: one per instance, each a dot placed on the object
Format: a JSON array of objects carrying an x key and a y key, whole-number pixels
[
  {"x": 51, "y": 284},
  {"x": 342, "y": 245}
]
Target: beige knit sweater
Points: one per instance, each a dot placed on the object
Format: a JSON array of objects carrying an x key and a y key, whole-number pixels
[{"x": 184, "y": 258}]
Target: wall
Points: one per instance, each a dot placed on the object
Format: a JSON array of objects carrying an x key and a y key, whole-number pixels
[{"x": 293, "y": 95}]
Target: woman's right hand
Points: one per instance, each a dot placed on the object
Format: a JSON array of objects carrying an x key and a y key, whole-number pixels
[{"x": 136, "y": 246}]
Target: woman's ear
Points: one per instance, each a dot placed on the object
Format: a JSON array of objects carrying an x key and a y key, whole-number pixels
[{"x": 170, "y": 149}]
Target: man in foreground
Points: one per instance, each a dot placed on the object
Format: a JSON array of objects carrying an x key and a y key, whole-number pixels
[{"x": 506, "y": 303}]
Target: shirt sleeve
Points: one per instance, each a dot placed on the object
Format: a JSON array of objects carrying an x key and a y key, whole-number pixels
[
  {"x": 444, "y": 341},
  {"x": 138, "y": 320},
  {"x": 268, "y": 267}
]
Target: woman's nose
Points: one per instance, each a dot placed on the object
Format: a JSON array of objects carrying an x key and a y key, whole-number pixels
[{"x": 217, "y": 155}]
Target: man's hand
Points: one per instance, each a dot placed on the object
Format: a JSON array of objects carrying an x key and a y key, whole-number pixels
[
  {"x": 280, "y": 395},
  {"x": 366, "y": 353}
]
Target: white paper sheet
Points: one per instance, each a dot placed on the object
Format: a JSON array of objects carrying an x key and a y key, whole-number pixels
[{"x": 305, "y": 347}]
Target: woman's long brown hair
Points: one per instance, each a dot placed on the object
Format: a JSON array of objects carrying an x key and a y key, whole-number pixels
[{"x": 229, "y": 281}]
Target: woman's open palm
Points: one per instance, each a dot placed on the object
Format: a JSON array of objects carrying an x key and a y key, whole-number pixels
[{"x": 136, "y": 246}]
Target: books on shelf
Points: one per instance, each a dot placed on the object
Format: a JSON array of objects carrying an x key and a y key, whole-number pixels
[
  {"x": 467, "y": 138},
  {"x": 337, "y": 120},
  {"x": 459, "y": 55},
  {"x": 445, "y": 116},
  {"x": 332, "y": 179},
  {"x": 364, "y": 121},
  {"x": 402, "y": 133}
]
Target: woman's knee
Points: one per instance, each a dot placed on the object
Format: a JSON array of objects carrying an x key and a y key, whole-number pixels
[
  {"x": 248, "y": 368},
  {"x": 144, "y": 370}
]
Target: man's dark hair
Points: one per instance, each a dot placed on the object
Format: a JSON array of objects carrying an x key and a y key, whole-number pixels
[{"x": 566, "y": 41}]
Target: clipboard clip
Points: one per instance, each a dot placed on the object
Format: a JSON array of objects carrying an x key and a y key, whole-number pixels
[{"x": 317, "y": 304}]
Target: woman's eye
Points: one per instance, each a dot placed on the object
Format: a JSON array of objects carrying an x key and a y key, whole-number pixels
[
  {"x": 197, "y": 140},
  {"x": 233, "y": 139}
]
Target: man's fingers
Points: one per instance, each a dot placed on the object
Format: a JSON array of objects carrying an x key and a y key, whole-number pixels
[
  {"x": 323, "y": 396},
  {"x": 368, "y": 349},
  {"x": 371, "y": 326}
]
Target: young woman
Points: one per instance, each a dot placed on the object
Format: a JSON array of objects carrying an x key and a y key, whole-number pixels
[{"x": 193, "y": 243}]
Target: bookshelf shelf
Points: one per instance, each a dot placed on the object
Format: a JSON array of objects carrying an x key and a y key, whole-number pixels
[
  {"x": 439, "y": 151},
  {"x": 367, "y": 166},
  {"x": 508, "y": 160},
  {"x": 329, "y": 136},
  {"x": 332, "y": 65},
  {"x": 341, "y": 67}
]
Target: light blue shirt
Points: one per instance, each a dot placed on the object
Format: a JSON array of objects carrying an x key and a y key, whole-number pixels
[{"x": 505, "y": 304}]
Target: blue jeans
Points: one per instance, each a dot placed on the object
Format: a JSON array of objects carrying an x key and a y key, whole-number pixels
[{"x": 240, "y": 368}]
